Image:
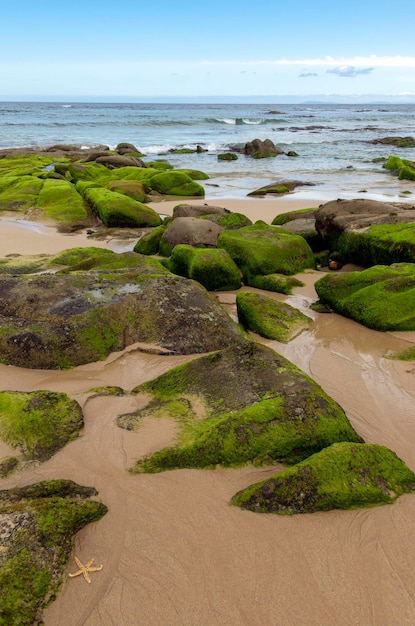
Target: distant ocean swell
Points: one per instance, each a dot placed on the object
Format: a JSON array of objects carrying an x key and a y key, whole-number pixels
[{"x": 240, "y": 121}]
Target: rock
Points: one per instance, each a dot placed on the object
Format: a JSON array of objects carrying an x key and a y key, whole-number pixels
[
  {"x": 271, "y": 411},
  {"x": 227, "y": 156},
  {"x": 117, "y": 209},
  {"x": 191, "y": 231},
  {"x": 262, "y": 249},
  {"x": 381, "y": 297},
  {"x": 280, "y": 187},
  {"x": 114, "y": 161},
  {"x": 175, "y": 183},
  {"x": 54, "y": 321},
  {"x": 132, "y": 188},
  {"x": 37, "y": 523},
  {"x": 367, "y": 232},
  {"x": 38, "y": 423},
  {"x": 404, "y": 169},
  {"x": 269, "y": 318},
  {"x": 149, "y": 243},
  {"x": 276, "y": 282},
  {"x": 375, "y": 475},
  {"x": 211, "y": 267},
  {"x": 197, "y": 210},
  {"x": 260, "y": 149},
  {"x": 125, "y": 148},
  {"x": 400, "y": 142}
]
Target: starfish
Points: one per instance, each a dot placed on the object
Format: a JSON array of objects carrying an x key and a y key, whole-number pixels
[{"x": 85, "y": 569}]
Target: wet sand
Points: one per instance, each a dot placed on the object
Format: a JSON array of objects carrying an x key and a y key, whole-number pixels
[{"x": 175, "y": 553}]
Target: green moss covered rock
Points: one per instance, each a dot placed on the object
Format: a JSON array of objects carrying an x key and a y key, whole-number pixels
[
  {"x": 381, "y": 297},
  {"x": 174, "y": 183},
  {"x": 149, "y": 243},
  {"x": 132, "y": 188},
  {"x": 262, "y": 249},
  {"x": 269, "y": 317},
  {"x": 342, "y": 476},
  {"x": 243, "y": 404},
  {"x": 38, "y": 423},
  {"x": 18, "y": 193},
  {"x": 276, "y": 282},
  {"x": 60, "y": 201},
  {"x": 62, "y": 320},
  {"x": 40, "y": 521},
  {"x": 116, "y": 209},
  {"x": 212, "y": 268}
]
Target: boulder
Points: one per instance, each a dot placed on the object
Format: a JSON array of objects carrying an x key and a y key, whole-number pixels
[
  {"x": 400, "y": 142},
  {"x": 279, "y": 188},
  {"x": 260, "y": 149},
  {"x": 375, "y": 475},
  {"x": 367, "y": 232},
  {"x": 269, "y": 317},
  {"x": 191, "y": 231},
  {"x": 55, "y": 321},
  {"x": 381, "y": 297},
  {"x": 114, "y": 161},
  {"x": 271, "y": 411},
  {"x": 132, "y": 188},
  {"x": 175, "y": 183},
  {"x": 38, "y": 524},
  {"x": 38, "y": 423},
  {"x": 117, "y": 209},
  {"x": 261, "y": 249},
  {"x": 125, "y": 148},
  {"x": 149, "y": 243},
  {"x": 197, "y": 210},
  {"x": 211, "y": 267}
]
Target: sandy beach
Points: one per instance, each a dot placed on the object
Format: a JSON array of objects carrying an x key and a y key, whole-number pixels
[{"x": 174, "y": 552}]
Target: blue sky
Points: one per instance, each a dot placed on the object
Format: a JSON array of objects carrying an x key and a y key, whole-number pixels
[{"x": 136, "y": 49}]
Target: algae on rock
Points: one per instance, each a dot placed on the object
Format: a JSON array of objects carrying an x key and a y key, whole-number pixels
[{"x": 342, "y": 476}]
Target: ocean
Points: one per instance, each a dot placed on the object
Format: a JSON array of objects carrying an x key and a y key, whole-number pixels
[{"x": 334, "y": 142}]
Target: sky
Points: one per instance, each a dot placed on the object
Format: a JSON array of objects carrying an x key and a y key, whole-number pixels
[{"x": 182, "y": 49}]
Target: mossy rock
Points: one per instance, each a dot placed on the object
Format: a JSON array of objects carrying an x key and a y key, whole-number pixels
[
  {"x": 29, "y": 163},
  {"x": 230, "y": 221},
  {"x": 284, "y": 218},
  {"x": 41, "y": 520},
  {"x": 269, "y": 318},
  {"x": 159, "y": 164},
  {"x": 132, "y": 188},
  {"x": 276, "y": 282},
  {"x": 60, "y": 201},
  {"x": 149, "y": 243},
  {"x": 38, "y": 423},
  {"x": 141, "y": 174},
  {"x": 342, "y": 476},
  {"x": 194, "y": 174},
  {"x": 175, "y": 183},
  {"x": 63, "y": 320},
  {"x": 262, "y": 249},
  {"x": 243, "y": 404},
  {"x": 381, "y": 297},
  {"x": 18, "y": 193},
  {"x": 404, "y": 169},
  {"x": 212, "y": 268},
  {"x": 116, "y": 209},
  {"x": 378, "y": 244},
  {"x": 408, "y": 354},
  {"x": 89, "y": 171},
  {"x": 227, "y": 156}
]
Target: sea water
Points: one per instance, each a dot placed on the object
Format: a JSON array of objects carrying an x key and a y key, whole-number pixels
[{"x": 334, "y": 142}]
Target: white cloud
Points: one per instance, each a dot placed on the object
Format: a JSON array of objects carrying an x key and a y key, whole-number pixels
[{"x": 349, "y": 71}]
